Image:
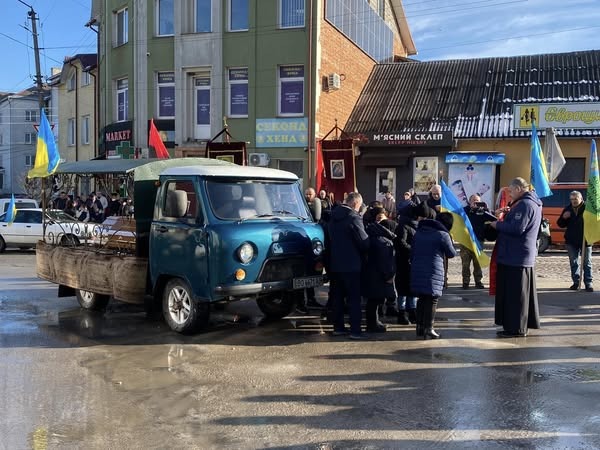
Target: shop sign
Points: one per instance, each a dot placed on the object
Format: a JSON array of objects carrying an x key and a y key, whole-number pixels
[
  {"x": 408, "y": 139},
  {"x": 282, "y": 132},
  {"x": 117, "y": 133},
  {"x": 557, "y": 115}
]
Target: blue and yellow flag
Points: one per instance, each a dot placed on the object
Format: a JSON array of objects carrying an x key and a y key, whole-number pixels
[
  {"x": 46, "y": 156},
  {"x": 539, "y": 174},
  {"x": 462, "y": 230},
  {"x": 11, "y": 212},
  {"x": 591, "y": 215}
]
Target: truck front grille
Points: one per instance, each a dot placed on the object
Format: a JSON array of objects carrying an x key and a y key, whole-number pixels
[{"x": 282, "y": 269}]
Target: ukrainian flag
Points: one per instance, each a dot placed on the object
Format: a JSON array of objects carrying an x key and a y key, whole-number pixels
[
  {"x": 11, "y": 212},
  {"x": 46, "y": 156},
  {"x": 591, "y": 215},
  {"x": 462, "y": 230},
  {"x": 539, "y": 174}
]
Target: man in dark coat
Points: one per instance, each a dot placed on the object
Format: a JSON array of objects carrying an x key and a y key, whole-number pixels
[
  {"x": 379, "y": 272},
  {"x": 432, "y": 244},
  {"x": 349, "y": 242},
  {"x": 435, "y": 197},
  {"x": 571, "y": 218},
  {"x": 516, "y": 294}
]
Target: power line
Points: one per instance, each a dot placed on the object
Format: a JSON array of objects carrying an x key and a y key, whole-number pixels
[{"x": 511, "y": 37}]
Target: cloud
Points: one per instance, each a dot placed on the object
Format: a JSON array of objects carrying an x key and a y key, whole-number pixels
[{"x": 529, "y": 27}]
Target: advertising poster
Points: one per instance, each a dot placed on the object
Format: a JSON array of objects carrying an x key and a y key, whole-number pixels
[
  {"x": 467, "y": 179},
  {"x": 425, "y": 174}
]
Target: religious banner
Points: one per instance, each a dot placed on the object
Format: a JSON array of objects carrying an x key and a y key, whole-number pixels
[
  {"x": 338, "y": 170},
  {"x": 234, "y": 152}
]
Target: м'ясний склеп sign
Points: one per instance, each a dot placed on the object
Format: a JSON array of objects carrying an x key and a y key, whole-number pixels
[{"x": 419, "y": 138}]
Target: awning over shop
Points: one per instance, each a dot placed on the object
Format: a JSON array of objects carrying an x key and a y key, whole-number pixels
[{"x": 475, "y": 158}]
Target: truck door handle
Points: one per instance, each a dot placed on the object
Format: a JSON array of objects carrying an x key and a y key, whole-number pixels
[{"x": 162, "y": 229}]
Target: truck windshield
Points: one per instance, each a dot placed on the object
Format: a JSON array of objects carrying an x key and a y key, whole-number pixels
[{"x": 256, "y": 199}]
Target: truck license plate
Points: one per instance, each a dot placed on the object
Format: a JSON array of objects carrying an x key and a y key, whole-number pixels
[{"x": 307, "y": 282}]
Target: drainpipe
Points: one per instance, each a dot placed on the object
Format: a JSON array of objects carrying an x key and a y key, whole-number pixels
[
  {"x": 76, "y": 110},
  {"x": 96, "y": 85},
  {"x": 310, "y": 92}
]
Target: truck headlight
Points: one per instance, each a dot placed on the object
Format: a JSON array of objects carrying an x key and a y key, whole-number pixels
[
  {"x": 317, "y": 247},
  {"x": 245, "y": 253}
]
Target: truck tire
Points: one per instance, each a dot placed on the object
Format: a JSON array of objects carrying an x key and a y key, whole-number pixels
[
  {"x": 543, "y": 243},
  {"x": 279, "y": 305},
  {"x": 2, "y": 245},
  {"x": 181, "y": 312},
  {"x": 91, "y": 301}
]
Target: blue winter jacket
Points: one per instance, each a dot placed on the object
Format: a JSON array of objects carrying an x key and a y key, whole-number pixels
[
  {"x": 348, "y": 239},
  {"x": 430, "y": 245},
  {"x": 518, "y": 232}
]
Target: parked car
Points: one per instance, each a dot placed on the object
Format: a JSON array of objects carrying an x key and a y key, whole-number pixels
[
  {"x": 20, "y": 203},
  {"x": 27, "y": 229},
  {"x": 553, "y": 206}
]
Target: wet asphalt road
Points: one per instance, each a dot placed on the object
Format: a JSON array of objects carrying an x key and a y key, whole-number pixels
[{"x": 72, "y": 379}]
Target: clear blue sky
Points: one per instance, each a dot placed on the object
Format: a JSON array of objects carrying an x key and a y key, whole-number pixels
[
  {"x": 441, "y": 29},
  {"x": 61, "y": 31}
]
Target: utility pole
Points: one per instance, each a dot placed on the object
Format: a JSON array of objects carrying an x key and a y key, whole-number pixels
[{"x": 38, "y": 73}]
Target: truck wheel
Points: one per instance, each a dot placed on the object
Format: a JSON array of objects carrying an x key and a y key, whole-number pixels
[
  {"x": 181, "y": 312},
  {"x": 543, "y": 243},
  {"x": 277, "y": 306},
  {"x": 2, "y": 245},
  {"x": 91, "y": 301}
]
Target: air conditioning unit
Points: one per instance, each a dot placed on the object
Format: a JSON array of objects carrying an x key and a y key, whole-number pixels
[
  {"x": 258, "y": 159},
  {"x": 334, "y": 82}
]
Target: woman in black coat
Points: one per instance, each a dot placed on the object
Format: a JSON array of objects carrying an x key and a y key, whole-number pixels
[
  {"x": 405, "y": 232},
  {"x": 379, "y": 272}
]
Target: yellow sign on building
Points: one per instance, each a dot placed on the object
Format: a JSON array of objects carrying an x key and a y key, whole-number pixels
[{"x": 526, "y": 114}]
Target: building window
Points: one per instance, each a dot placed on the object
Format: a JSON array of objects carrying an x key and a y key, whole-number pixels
[
  {"x": 122, "y": 27},
  {"x": 291, "y": 13},
  {"x": 238, "y": 92},
  {"x": 29, "y": 160},
  {"x": 203, "y": 16},
  {"x": 573, "y": 171},
  {"x": 238, "y": 15},
  {"x": 122, "y": 100},
  {"x": 71, "y": 132},
  {"x": 85, "y": 130},
  {"x": 71, "y": 83},
  {"x": 363, "y": 25},
  {"x": 29, "y": 138},
  {"x": 166, "y": 94},
  {"x": 165, "y": 23},
  {"x": 202, "y": 106},
  {"x": 291, "y": 91},
  {"x": 85, "y": 78},
  {"x": 30, "y": 116}
]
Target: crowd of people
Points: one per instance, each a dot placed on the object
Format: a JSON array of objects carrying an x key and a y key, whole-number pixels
[
  {"x": 94, "y": 207},
  {"x": 396, "y": 261}
]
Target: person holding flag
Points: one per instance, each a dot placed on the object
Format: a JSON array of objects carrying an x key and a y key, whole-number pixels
[
  {"x": 516, "y": 308},
  {"x": 11, "y": 212}
]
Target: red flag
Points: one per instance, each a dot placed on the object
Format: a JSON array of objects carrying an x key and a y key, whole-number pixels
[
  {"x": 155, "y": 141},
  {"x": 320, "y": 168}
]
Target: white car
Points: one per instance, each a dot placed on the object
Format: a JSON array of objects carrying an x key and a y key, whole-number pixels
[{"x": 27, "y": 229}]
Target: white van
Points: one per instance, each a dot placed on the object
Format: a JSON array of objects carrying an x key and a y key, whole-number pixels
[{"x": 20, "y": 203}]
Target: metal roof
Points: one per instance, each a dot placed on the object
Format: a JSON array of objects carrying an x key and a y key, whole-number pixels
[
  {"x": 145, "y": 169},
  {"x": 473, "y": 98},
  {"x": 232, "y": 171}
]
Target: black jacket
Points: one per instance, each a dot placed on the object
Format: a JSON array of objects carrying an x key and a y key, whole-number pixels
[
  {"x": 573, "y": 225},
  {"x": 405, "y": 233},
  {"x": 381, "y": 263},
  {"x": 348, "y": 240}
]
